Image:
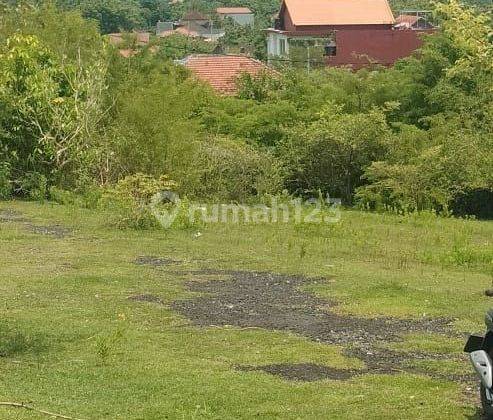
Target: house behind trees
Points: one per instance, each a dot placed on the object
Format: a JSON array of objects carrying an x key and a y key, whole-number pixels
[
  {"x": 352, "y": 33},
  {"x": 240, "y": 15}
]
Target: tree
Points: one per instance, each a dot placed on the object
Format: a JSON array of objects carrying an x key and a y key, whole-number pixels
[
  {"x": 331, "y": 153},
  {"x": 50, "y": 111},
  {"x": 114, "y": 15}
]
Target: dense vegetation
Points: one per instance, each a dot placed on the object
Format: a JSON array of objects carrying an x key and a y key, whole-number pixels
[
  {"x": 76, "y": 116},
  {"x": 115, "y": 15}
]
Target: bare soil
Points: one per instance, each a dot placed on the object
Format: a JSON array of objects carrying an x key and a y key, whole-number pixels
[
  {"x": 278, "y": 302},
  {"x": 56, "y": 231},
  {"x": 12, "y": 216},
  {"x": 306, "y": 372}
]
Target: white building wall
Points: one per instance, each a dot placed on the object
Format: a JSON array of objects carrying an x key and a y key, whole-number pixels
[
  {"x": 274, "y": 44},
  {"x": 242, "y": 19}
]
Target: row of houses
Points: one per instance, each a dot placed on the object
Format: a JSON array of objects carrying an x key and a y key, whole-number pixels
[
  {"x": 350, "y": 33},
  {"x": 197, "y": 25},
  {"x": 193, "y": 24}
]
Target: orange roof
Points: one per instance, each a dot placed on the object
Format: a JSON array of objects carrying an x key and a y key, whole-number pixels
[
  {"x": 339, "y": 12},
  {"x": 222, "y": 71},
  {"x": 233, "y": 10}
]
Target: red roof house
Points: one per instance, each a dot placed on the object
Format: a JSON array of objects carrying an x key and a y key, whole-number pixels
[
  {"x": 222, "y": 71},
  {"x": 319, "y": 15},
  {"x": 351, "y": 33}
]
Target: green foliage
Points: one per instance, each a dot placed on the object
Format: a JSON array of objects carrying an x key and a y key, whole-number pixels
[
  {"x": 153, "y": 128},
  {"x": 231, "y": 170},
  {"x": 90, "y": 198},
  {"x": 140, "y": 188},
  {"x": 107, "y": 345},
  {"x": 51, "y": 99},
  {"x": 155, "y": 10},
  {"x": 179, "y": 46},
  {"x": 113, "y": 15},
  {"x": 330, "y": 154},
  {"x": 34, "y": 185},
  {"x": 75, "y": 115},
  {"x": 130, "y": 200},
  {"x": 454, "y": 77},
  {"x": 248, "y": 39},
  {"x": 259, "y": 122},
  {"x": 65, "y": 34},
  {"x": 5, "y": 180}
]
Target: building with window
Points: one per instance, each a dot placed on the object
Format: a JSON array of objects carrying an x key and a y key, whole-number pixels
[
  {"x": 240, "y": 15},
  {"x": 352, "y": 33}
]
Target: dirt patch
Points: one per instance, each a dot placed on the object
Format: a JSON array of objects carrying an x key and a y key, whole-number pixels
[
  {"x": 146, "y": 298},
  {"x": 12, "y": 216},
  {"x": 56, "y": 231},
  {"x": 277, "y": 302},
  {"x": 306, "y": 372},
  {"x": 155, "y": 261},
  {"x": 386, "y": 361}
]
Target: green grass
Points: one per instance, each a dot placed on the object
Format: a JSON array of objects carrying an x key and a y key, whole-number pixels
[{"x": 71, "y": 342}]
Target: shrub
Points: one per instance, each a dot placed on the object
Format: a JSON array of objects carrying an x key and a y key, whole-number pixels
[
  {"x": 5, "y": 182},
  {"x": 331, "y": 153},
  {"x": 474, "y": 202},
  {"x": 153, "y": 129},
  {"x": 129, "y": 201},
  {"x": 234, "y": 170},
  {"x": 34, "y": 186},
  {"x": 89, "y": 198},
  {"x": 401, "y": 188},
  {"x": 50, "y": 108}
]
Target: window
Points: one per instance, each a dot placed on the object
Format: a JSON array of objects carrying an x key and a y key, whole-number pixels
[
  {"x": 282, "y": 47},
  {"x": 330, "y": 49}
]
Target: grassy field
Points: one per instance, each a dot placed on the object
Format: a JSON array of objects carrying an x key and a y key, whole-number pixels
[{"x": 72, "y": 342}]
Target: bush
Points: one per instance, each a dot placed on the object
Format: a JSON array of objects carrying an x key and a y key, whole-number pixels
[
  {"x": 50, "y": 109},
  {"x": 153, "y": 129},
  {"x": 5, "y": 182},
  {"x": 129, "y": 201},
  {"x": 233, "y": 170},
  {"x": 89, "y": 198},
  {"x": 331, "y": 154},
  {"x": 34, "y": 186}
]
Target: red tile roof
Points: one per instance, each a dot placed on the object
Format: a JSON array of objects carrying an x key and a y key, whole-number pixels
[
  {"x": 233, "y": 11},
  {"x": 222, "y": 71},
  {"x": 339, "y": 12}
]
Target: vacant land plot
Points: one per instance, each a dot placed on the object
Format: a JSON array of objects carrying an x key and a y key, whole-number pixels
[{"x": 364, "y": 318}]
